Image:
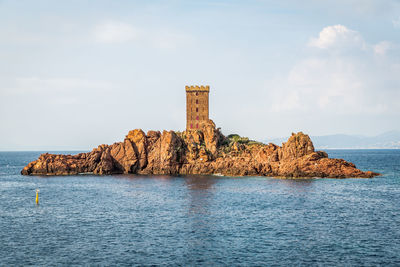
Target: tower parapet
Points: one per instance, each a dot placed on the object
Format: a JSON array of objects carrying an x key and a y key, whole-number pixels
[
  {"x": 203, "y": 88},
  {"x": 196, "y": 106}
]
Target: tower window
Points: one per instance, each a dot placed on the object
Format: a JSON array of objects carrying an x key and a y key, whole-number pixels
[
  {"x": 197, "y": 125},
  {"x": 191, "y": 126},
  {"x": 197, "y": 93},
  {"x": 197, "y": 109},
  {"x": 197, "y": 101},
  {"x": 197, "y": 117}
]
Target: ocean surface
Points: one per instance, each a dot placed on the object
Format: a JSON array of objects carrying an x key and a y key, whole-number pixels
[{"x": 201, "y": 220}]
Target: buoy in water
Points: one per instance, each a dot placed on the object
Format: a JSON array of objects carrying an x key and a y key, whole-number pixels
[{"x": 37, "y": 196}]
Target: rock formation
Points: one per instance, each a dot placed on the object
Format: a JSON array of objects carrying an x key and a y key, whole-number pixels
[{"x": 204, "y": 151}]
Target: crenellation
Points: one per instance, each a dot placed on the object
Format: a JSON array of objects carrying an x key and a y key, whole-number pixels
[{"x": 193, "y": 88}]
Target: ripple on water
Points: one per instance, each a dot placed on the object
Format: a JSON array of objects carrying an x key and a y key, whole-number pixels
[{"x": 201, "y": 220}]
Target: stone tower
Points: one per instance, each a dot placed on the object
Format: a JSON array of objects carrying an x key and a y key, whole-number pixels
[{"x": 196, "y": 106}]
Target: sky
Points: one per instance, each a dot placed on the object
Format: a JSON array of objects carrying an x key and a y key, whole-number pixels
[{"x": 76, "y": 74}]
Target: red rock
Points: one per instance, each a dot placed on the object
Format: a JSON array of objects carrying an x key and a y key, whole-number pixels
[{"x": 204, "y": 151}]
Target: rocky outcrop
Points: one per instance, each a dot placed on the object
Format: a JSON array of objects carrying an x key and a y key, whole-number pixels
[{"x": 203, "y": 151}]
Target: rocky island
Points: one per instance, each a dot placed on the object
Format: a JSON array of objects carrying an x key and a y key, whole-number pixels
[{"x": 202, "y": 151}]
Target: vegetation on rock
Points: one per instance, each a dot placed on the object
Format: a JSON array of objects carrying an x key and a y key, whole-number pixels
[{"x": 204, "y": 151}]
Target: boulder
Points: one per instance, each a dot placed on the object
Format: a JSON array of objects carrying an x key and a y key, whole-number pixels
[{"x": 203, "y": 151}]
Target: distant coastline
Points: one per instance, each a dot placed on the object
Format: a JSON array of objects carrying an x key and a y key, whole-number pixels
[
  {"x": 203, "y": 151},
  {"x": 387, "y": 140}
]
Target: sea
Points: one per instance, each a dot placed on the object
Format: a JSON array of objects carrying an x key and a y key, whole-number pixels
[{"x": 128, "y": 220}]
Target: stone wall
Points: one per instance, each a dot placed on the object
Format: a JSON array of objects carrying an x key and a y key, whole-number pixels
[{"x": 196, "y": 106}]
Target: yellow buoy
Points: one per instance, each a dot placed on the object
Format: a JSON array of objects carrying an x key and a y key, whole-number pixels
[{"x": 37, "y": 196}]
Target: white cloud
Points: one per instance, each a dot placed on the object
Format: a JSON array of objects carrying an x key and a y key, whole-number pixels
[
  {"x": 381, "y": 48},
  {"x": 115, "y": 32},
  {"x": 355, "y": 83},
  {"x": 337, "y": 36},
  {"x": 321, "y": 84}
]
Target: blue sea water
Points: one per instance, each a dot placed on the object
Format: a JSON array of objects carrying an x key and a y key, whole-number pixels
[{"x": 201, "y": 220}]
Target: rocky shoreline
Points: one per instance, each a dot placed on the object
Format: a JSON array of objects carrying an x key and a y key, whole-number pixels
[{"x": 204, "y": 151}]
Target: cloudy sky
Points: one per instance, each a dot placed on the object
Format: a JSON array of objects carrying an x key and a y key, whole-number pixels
[{"x": 75, "y": 74}]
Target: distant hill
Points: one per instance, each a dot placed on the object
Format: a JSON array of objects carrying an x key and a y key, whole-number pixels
[{"x": 386, "y": 140}]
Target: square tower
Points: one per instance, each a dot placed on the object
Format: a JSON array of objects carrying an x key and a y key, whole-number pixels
[{"x": 196, "y": 106}]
